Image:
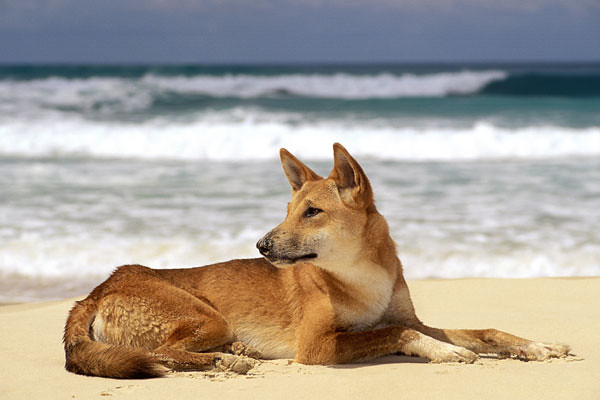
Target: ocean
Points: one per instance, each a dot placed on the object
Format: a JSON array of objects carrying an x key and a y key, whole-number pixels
[{"x": 483, "y": 170}]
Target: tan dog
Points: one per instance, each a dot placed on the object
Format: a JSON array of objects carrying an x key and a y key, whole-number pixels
[{"x": 329, "y": 290}]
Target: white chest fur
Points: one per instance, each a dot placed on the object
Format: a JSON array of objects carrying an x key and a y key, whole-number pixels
[{"x": 370, "y": 291}]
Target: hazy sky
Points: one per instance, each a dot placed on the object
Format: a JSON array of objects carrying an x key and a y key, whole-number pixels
[{"x": 298, "y": 30}]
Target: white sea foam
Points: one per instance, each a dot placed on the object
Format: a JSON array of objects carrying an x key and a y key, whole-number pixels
[
  {"x": 60, "y": 93},
  {"x": 67, "y": 220},
  {"x": 129, "y": 94},
  {"x": 58, "y": 268},
  {"x": 249, "y": 139},
  {"x": 340, "y": 85},
  {"x": 34, "y": 268},
  {"x": 66, "y": 224}
]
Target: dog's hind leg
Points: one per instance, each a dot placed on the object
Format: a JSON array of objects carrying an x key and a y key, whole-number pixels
[
  {"x": 182, "y": 360},
  {"x": 202, "y": 329},
  {"x": 177, "y": 328},
  {"x": 180, "y": 350},
  {"x": 239, "y": 349}
]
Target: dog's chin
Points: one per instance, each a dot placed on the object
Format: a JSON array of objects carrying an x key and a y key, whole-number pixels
[{"x": 286, "y": 262}]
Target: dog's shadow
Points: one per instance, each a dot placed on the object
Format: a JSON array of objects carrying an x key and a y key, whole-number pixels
[
  {"x": 402, "y": 359},
  {"x": 392, "y": 359}
]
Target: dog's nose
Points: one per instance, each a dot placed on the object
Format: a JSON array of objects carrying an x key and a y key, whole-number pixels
[{"x": 264, "y": 245}]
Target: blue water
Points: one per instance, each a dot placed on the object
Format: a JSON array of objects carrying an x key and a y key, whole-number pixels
[
  {"x": 485, "y": 170},
  {"x": 562, "y": 94}
]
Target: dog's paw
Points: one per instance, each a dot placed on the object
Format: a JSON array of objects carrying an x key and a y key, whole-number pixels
[
  {"x": 536, "y": 351},
  {"x": 237, "y": 364},
  {"x": 242, "y": 349},
  {"x": 448, "y": 353}
]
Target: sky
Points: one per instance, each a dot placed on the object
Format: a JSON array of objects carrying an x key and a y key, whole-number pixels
[{"x": 292, "y": 31}]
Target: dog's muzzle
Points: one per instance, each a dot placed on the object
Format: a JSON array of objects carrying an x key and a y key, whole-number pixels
[{"x": 265, "y": 246}]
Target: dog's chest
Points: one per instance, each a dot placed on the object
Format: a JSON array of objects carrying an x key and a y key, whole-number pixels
[{"x": 365, "y": 311}]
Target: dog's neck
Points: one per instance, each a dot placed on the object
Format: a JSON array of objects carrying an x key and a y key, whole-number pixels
[
  {"x": 362, "y": 287},
  {"x": 373, "y": 261}
]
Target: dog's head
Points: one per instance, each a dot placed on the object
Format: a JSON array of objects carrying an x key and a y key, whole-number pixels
[{"x": 327, "y": 218}]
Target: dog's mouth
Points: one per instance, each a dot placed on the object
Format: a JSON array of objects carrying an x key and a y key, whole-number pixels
[
  {"x": 266, "y": 247},
  {"x": 291, "y": 260}
]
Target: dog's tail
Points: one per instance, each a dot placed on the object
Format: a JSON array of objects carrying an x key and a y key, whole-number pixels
[{"x": 87, "y": 357}]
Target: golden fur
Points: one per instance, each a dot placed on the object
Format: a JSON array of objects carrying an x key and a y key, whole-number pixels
[{"x": 329, "y": 290}]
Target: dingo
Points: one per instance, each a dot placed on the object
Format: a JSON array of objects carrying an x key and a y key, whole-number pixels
[{"x": 329, "y": 290}]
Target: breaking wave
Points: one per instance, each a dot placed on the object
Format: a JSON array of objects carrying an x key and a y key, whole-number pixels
[
  {"x": 340, "y": 85},
  {"x": 207, "y": 139},
  {"x": 140, "y": 92}
]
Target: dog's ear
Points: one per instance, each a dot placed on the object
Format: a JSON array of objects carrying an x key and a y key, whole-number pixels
[
  {"x": 296, "y": 172},
  {"x": 351, "y": 180}
]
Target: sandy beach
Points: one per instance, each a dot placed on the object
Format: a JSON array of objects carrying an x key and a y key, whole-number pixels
[{"x": 559, "y": 310}]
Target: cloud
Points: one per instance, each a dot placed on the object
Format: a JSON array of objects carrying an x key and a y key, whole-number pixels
[{"x": 297, "y": 29}]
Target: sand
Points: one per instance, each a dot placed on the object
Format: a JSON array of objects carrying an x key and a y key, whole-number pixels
[{"x": 559, "y": 310}]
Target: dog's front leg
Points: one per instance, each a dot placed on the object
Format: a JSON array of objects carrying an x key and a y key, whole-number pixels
[
  {"x": 345, "y": 347},
  {"x": 493, "y": 341}
]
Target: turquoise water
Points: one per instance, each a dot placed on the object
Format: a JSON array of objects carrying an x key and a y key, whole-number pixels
[
  {"x": 564, "y": 95},
  {"x": 481, "y": 170}
]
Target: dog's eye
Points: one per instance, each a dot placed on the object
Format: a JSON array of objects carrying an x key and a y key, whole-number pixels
[{"x": 311, "y": 212}]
